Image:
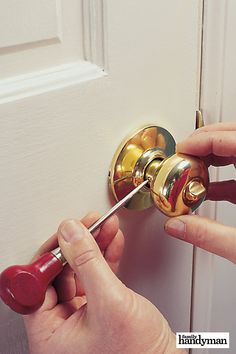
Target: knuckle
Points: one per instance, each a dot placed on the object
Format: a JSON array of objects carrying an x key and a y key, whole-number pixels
[
  {"x": 65, "y": 223},
  {"x": 91, "y": 216},
  {"x": 196, "y": 234},
  {"x": 85, "y": 257},
  {"x": 217, "y": 145},
  {"x": 200, "y": 234}
]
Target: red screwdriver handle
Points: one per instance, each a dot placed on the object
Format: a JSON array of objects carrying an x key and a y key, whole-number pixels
[{"x": 23, "y": 287}]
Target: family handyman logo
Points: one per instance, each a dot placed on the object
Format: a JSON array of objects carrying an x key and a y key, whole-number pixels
[{"x": 202, "y": 340}]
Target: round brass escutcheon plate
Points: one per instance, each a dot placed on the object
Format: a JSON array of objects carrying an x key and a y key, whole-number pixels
[{"x": 129, "y": 164}]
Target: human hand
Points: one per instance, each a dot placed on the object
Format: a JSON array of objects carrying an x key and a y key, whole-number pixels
[
  {"x": 89, "y": 310},
  {"x": 216, "y": 144}
]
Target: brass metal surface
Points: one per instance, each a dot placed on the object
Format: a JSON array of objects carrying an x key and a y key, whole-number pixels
[
  {"x": 199, "y": 120},
  {"x": 194, "y": 191},
  {"x": 177, "y": 182},
  {"x": 180, "y": 185},
  {"x": 152, "y": 169},
  {"x": 132, "y": 159}
]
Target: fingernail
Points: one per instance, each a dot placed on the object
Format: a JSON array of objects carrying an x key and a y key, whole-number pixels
[
  {"x": 176, "y": 227},
  {"x": 72, "y": 231}
]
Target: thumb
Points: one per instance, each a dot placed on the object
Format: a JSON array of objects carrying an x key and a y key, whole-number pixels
[
  {"x": 85, "y": 258},
  {"x": 204, "y": 233}
]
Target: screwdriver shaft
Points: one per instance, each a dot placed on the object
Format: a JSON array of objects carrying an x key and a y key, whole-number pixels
[
  {"x": 57, "y": 251},
  {"x": 117, "y": 206}
]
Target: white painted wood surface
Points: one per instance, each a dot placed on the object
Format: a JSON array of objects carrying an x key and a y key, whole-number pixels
[
  {"x": 27, "y": 21},
  {"x": 39, "y": 35},
  {"x": 50, "y": 139},
  {"x": 214, "y": 295}
]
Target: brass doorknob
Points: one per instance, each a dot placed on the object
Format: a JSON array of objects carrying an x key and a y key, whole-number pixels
[
  {"x": 177, "y": 182},
  {"x": 179, "y": 185}
]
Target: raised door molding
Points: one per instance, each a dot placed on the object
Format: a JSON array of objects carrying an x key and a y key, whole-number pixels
[
  {"x": 58, "y": 46},
  {"x": 94, "y": 32}
]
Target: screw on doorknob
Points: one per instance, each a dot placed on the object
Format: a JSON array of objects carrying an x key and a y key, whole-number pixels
[{"x": 194, "y": 191}]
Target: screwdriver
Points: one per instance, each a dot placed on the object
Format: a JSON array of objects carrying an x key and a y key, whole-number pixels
[{"x": 23, "y": 287}]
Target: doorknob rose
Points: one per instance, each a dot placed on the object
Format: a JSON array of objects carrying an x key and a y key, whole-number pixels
[{"x": 177, "y": 182}]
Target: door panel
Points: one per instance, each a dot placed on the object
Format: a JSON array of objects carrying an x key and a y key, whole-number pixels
[{"x": 58, "y": 138}]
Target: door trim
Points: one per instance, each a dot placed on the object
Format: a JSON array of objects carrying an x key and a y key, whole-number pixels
[{"x": 210, "y": 102}]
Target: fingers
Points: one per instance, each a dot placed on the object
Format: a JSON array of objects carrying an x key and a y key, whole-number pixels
[
  {"x": 89, "y": 219},
  {"x": 49, "y": 303},
  {"x": 215, "y": 142},
  {"x": 204, "y": 233},
  {"x": 52, "y": 242},
  {"x": 65, "y": 284},
  {"x": 114, "y": 251},
  {"x": 86, "y": 259},
  {"x": 225, "y": 190},
  {"x": 230, "y": 126},
  {"x": 47, "y": 246},
  {"x": 220, "y": 143},
  {"x": 107, "y": 234},
  {"x": 212, "y": 160},
  {"x": 112, "y": 255}
]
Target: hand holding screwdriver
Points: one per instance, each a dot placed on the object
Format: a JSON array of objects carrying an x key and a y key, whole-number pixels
[{"x": 23, "y": 287}]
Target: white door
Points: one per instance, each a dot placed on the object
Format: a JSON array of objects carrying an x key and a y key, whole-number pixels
[{"x": 74, "y": 81}]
